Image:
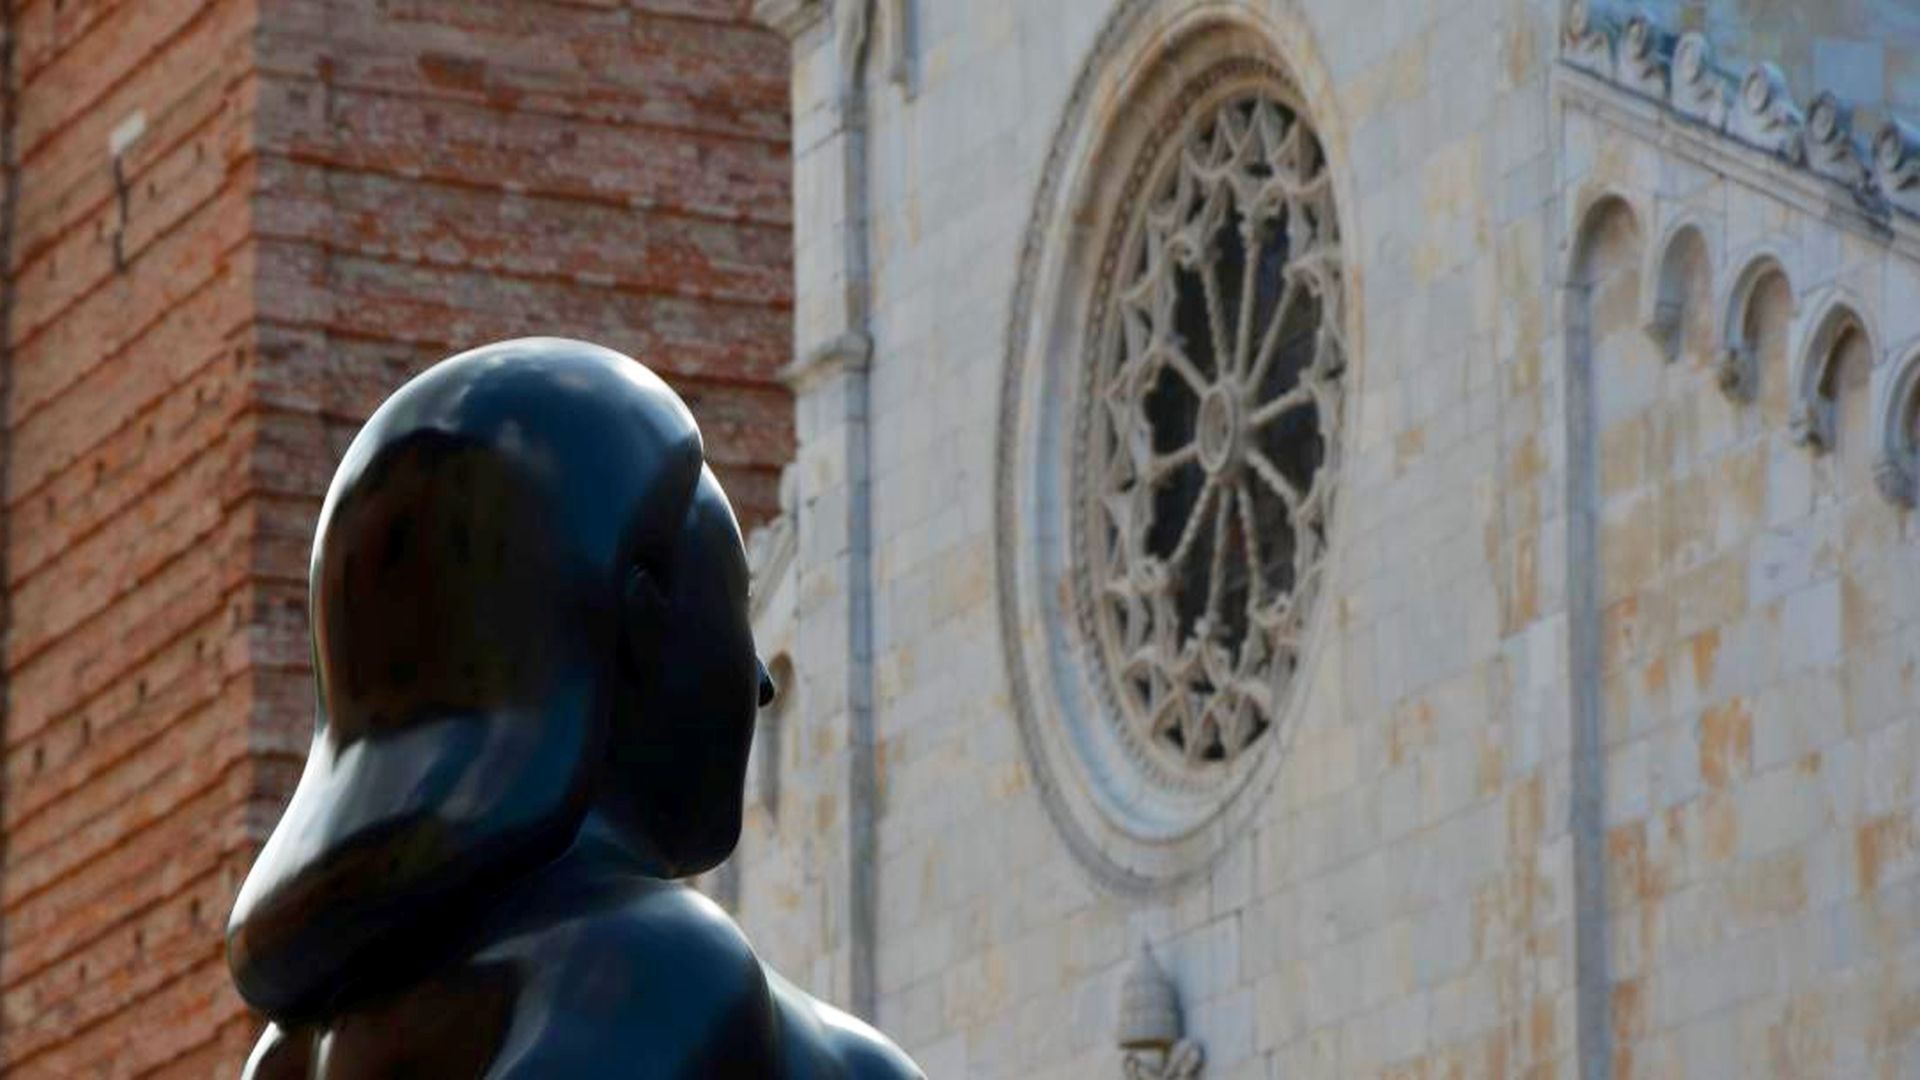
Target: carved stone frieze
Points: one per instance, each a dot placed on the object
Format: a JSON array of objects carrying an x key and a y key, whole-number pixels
[
  {"x": 1831, "y": 149},
  {"x": 1646, "y": 53},
  {"x": 1589, "y": 40},
  {"x": 1699, "y": 89},
  {"x": 1765, "y": 115},
  {"x": 1637, "y": 54},
  {"x": 1896, "y": 165}
]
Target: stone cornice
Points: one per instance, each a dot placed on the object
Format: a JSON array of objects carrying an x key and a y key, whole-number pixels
[
  {"x": 789, "y": 18},
  {"x": 851, "y": 351},
  {"x": 1676, "y": 71}
]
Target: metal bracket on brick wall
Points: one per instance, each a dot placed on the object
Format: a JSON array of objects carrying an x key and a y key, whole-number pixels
[
  {"x": 119, "y": 141},
  {"x": 1150, "y": 1034}
]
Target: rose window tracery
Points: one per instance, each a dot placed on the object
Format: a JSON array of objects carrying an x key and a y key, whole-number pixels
[{"x": 1205, "y": 472}]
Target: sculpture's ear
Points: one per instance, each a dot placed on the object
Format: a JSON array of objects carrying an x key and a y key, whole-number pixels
[{"x": 644, "y": 615}]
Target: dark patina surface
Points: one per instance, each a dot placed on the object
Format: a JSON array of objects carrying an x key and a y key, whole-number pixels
[{"x": 537, "y": 688}]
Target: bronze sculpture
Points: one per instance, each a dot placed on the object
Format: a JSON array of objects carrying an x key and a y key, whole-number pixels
[{"x": 537, "y": 685}]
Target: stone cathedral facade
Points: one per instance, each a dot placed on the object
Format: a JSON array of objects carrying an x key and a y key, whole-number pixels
[{"x": 1342, "y": 538}]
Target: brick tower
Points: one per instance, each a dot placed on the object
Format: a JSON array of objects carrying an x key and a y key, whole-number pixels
[{"x": 230, "y": 227}]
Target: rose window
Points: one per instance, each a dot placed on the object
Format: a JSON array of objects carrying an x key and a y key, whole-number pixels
[{"x": 1205, "y": 476}]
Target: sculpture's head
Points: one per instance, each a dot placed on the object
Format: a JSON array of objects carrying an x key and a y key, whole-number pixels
[{"x": 528, "y": 599}]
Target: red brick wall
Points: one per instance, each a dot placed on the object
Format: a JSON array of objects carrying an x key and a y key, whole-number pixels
[{"x": 327, "y": 196}]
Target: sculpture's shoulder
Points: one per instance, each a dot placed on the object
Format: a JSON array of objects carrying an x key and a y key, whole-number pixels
[
  {"x": 637, "y": 981},
  {"x": 722, "y": 1014},
  {"x": 658, "y": 983},
  {"x": 820, "y": 1041}
]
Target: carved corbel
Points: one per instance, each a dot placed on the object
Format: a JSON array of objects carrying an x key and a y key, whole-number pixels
[
  {"x": 1183, "y": 1062},
  {"x": 1589, "y": 38},
  {"x": 1645, "y": 52},
  {"x": 1735, "y": 371},
  {"x": 1893, "y": 475},
  {"x": 789, "y": 18},
  {"x": 1810, "y": 424},
  {"x": 899, "y": 39},
  {"x": 1831, "y": 151},
  {"x": 1664, "y": 322},
  {"x": 1700, "y": 90},
  {"x": 1150, "y": 1028},
  {"x": 1896, "y": 165},
  {"x": 1766, "y": 116},
  {"x": 850, "y": 34},
  {"x": 848, "y": 352},
  {"x": 854, "y": 34}
]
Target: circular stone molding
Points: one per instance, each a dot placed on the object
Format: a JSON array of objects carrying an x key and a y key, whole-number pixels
[{"x": 1170, "y": 444}]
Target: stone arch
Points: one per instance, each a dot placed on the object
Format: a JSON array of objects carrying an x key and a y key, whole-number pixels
[
  {"x": 1599, "y": 303},
  {"x": 1606, "y": 242},
  {"x": 1674, "y": 310},
  {"x": 1762, "y": 274},
  {"x": 1837, "y": 333},
  {"x": 1896, "y": 467}
]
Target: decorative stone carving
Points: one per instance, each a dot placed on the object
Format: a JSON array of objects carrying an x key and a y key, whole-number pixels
[
  {"x": 1831, "y": 150},
  {"x": 1699, "y": 89},
  {"x": 1184, "y": 1060},
  {"x": 1202, "y": 474},
  {"x": 1663, "y": 325},
  {"x": 789, "y": 18},
  {"x": 1766, "y": 116},
  {"x": 1645, "y": 51},
  {"x": 1589, "y": 38},
  {"x": 1896, "y": 165},
  {"x": 853, "y": 20},
  {"x": 1893, "y": 475},
  {"x": 1680, "y": 73},
  {"x": 1810, "y": 423},
  {"x": 1735, "y": 372},
  {"x": 898, "y": 22},
  {"x": 1150, "y": 1029},
  {"x": 848, "y": 352}
]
